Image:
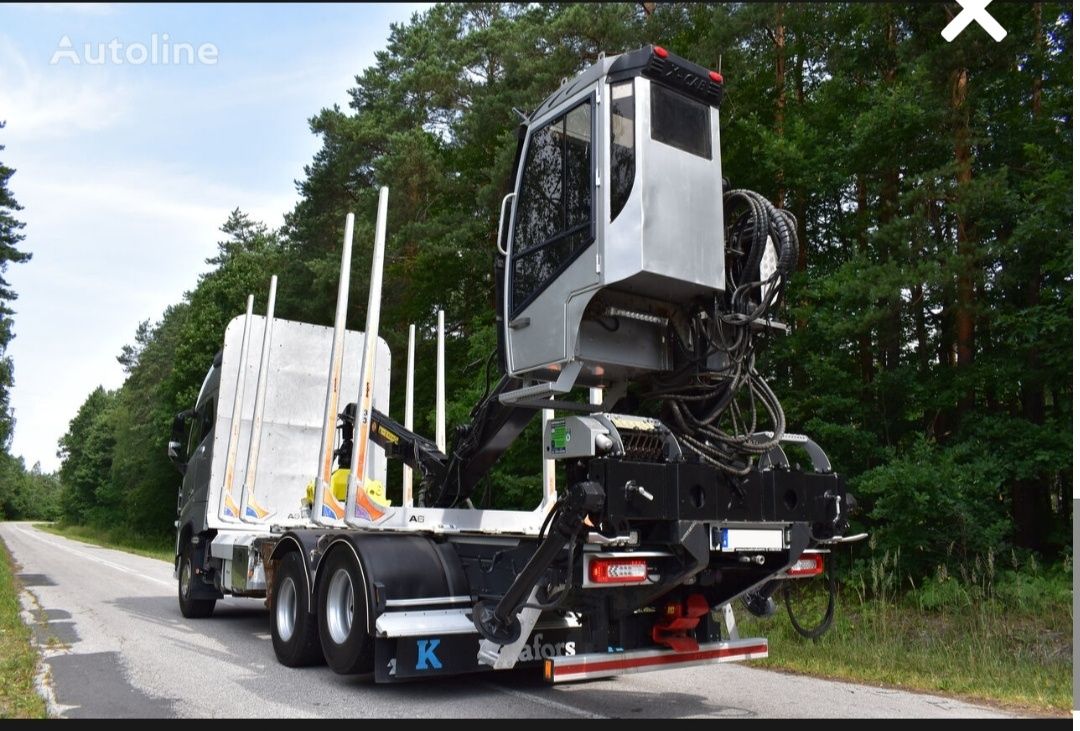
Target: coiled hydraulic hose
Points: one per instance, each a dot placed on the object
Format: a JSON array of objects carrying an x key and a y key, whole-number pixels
[
  {"x": 713, "y": 403},
  {"x": 826, "y": 621}
]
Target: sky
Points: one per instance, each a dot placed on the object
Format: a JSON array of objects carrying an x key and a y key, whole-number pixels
[{"x": 134, "y": 130}]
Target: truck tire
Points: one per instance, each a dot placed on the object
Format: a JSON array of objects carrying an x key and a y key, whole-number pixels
[
  {"x": 294, "y": 631},
  {"x": 189, "y": 607},
  {"x": 343, "y": 607}
]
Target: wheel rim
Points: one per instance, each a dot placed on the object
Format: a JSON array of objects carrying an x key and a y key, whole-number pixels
[
  {"x": 285, "y": 615},
  {"x": 185, "y": 579},
  {"x": 339, "y": 606}
]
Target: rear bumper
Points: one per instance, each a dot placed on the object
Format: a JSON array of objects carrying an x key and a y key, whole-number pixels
[{"x": 564, "y": 669}]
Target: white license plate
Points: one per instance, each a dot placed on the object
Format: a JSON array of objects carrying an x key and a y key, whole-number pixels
[{"x": 748, "y": 539}]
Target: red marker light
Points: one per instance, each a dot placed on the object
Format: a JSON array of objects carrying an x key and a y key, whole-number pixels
[
  {"x": 809, "y": 564},
  {"x": 716, "y": 77},
  {"x": 660, "y": 51},
  {"x": 617, "y": 570}
]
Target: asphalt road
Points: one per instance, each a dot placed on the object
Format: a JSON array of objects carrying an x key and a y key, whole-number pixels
[{"x": 116, "y": 646}]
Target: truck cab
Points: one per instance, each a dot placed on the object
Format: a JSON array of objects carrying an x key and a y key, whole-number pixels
[{"x": 191, "y": 451}]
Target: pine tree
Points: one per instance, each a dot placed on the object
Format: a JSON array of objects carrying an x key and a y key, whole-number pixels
[{"x": 10, "y": 238}]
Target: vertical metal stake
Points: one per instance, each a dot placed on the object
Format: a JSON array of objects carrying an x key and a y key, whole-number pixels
[
  {"x": 320, "y": 503},
  {"x": 230, "y": 509},
  {"x": 440, "y": 385},
  {"x": 359, "y": 508},
  {"x": 247, "y": 497},
  {"x": 406, "y": 471}
]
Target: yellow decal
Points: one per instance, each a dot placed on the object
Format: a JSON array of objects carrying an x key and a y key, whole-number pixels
[{"x": 386, "y": 434}]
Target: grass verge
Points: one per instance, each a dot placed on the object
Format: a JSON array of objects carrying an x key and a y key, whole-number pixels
[
  {"x": 151, "y": 547},
  {"x": 985, "y": 651},
  {"x": 18, "y": 658}
]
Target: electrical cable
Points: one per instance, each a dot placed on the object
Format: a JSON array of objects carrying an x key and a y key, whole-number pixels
[
  {"x": 716, "y": 399},
  {"x": 826, "y": 621}
]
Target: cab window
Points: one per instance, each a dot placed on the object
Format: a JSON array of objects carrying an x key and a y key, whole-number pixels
[
  {"x": 622, "y": 145},
  {"x": 554, "y": 216},
  {"x": 201, "y": 425},
  {"x": 680, "y": 121}
]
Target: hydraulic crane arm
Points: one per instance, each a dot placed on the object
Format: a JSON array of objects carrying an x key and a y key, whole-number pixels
[
  {"x": 419, "y": 453},
  {"x": 491, "y": 430},
  {"x": 450, "y": 479}
]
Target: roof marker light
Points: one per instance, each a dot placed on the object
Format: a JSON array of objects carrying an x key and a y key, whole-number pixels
[
  {"x": 715, "y": 76},
  {"x": 660, "y": 51}
]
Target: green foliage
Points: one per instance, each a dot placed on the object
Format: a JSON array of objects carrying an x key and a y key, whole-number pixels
[
  {"x": 933, "y": 506},
  {"x": 1008, "y": 581},
  {"x": 19, "y": 660},
  {"x": 996, "y": 627},
  {"x": 245, "y": 261},
  {"x": 141, "y": 424},
  {"x": 123, "y": 537},
  {"x": 27, "y": 494},
  {"x": 941, "y": 593},
  {"x": 22, "y": 494},
  {"x": 86, "y": 451},
  {"x": 950, "y": 636},
  {"x": 10, "y": 239},
  {"x": 1034, "y": 590}
]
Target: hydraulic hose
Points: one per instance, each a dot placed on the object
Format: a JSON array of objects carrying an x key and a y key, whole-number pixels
[
  {"x": 714, "y": 406},
  {"x": 826, "y": 621}
]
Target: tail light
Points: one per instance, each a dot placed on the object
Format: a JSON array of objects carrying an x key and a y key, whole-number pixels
[
  {"x": 617, "y": 570},
  {"x": 809, "y": 564}
]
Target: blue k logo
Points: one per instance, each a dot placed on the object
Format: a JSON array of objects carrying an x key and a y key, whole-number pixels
[{"x": 425, "y": 655}]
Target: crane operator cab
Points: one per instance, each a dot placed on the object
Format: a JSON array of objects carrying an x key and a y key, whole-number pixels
[
  {"x": 625, "y": 260},
  {"x": 616, "y": 225}
]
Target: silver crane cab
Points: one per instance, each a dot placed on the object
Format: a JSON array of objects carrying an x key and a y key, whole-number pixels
[{"x": 615, "y": 224}]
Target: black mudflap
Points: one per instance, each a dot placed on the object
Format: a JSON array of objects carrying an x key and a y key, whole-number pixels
[{"x": 403, "y": 658}]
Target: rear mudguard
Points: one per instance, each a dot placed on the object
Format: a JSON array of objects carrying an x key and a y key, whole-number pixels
[{"x": 398, "y": 570}]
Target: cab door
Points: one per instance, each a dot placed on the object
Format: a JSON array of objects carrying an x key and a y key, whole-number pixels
[{"x": 551, "y": 248}]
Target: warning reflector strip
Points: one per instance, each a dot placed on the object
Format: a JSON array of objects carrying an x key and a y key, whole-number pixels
[{"x": 566, "y": 668}]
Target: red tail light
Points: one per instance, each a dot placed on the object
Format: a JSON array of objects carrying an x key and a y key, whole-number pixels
[
  {"x": 617, "y": 570},
  {"x": 809, "y": 564}
]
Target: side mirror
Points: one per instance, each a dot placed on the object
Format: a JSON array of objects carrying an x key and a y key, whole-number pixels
[{"x": 176, "y": 440}]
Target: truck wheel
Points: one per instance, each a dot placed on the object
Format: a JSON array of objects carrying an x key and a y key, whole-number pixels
[
  {"x": 191, "y": 608},
  {"x": 294, "y": 631},
  {"x": 343, "y": 616}
]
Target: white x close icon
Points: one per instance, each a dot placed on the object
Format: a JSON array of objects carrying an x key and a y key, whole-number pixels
[{"x": 973, "y": 10}]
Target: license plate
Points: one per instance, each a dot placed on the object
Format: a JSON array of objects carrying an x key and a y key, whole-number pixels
[{"x": 748, "y": 539}]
